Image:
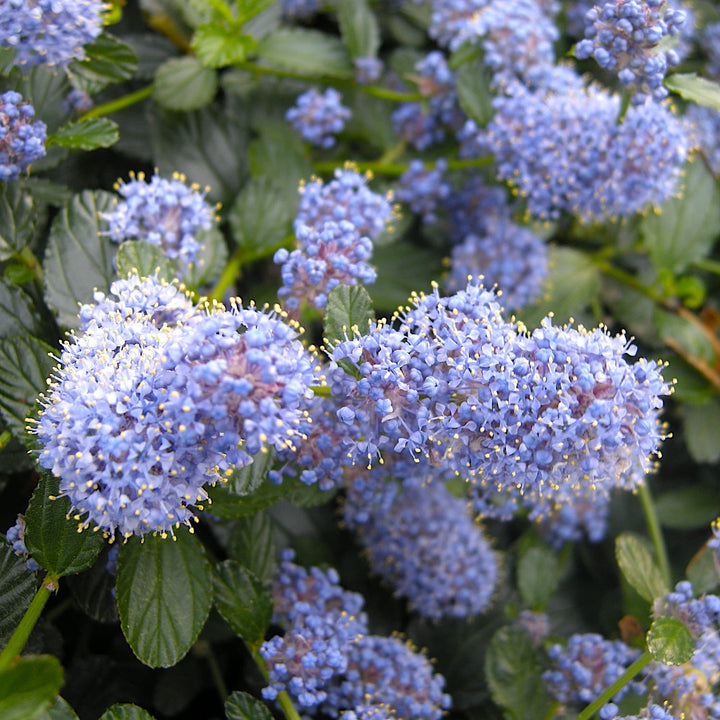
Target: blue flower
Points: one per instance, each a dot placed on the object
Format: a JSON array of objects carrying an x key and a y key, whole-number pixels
[
  {"x": 22, "y": 139},
  {"x": 367, "y": 69},
  {"x": 318, "y": 117},
  {"x": 16, "y": 537},
  {"x": 424, "y": 189}
]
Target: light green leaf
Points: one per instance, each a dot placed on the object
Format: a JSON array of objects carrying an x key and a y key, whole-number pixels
[
  {"x": 144, "y": 258},
  {"x": 78, "y": 258},
  {"x": 51, "y": 533},
  {"x": 210, "y": 260},
  {"x": 670, "y": 642},
  {"x": 218, "y": 44},
  {"x": 307, "y": 52},
  {"x": 164, "y": 594},
  {"x": 359, "y": 28},
  {"x": 686, "y": 228},
  {"x": 28, "y": 686},
  {"x": 241, "y": 706},
  {"x": 243, "y": 601},
  {"x": 184, "y": 84},
  {"x": 86, "y": 134},
  {"x": 17, "y": 218},
  {"x": 638, "y": 566},
  {"x": 701, "y": 423},
  {"x": 252, "y": 545},
  {"x": 59, "y": 710},
  {"x": 17, "y": 588},
  {"x": 702, "y": 570},
  {"x": 697, "y": 89},
  {"x": 108, "y": 61},
  {"x": 672, "y": 328},
  {"x": 125, "y": 711},
  {"x": 349, "y": 309},
  {"x": 538, "y": 574},
  {"x": 474, "y": 94}
]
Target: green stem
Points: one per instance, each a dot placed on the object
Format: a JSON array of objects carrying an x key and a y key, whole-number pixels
[
  {"x": 618, "y": 685},
  {"x": 378, "y": 167},
  {"x": 29, "y": 619},
  {"x": 119, "y": 103},
  {"x": 283, "y": 699},
  {"x": 5, "y": 438},
  {"x": 230, "y": 274},
  {"x": 655, "y": 533}
]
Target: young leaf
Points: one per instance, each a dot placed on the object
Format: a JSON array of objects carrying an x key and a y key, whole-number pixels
[
  {"x": 126, "y": 711},
  {"x": 17, "y": 218},
  {"x": 51, "y": 533},
  {"x": 349, "y": 308},
  {"x": 17, "y": 588},
  {"x": 241, "y": 706},
  {"x": 219, "y": 44},
  {"x": 108, "y": 61},
  {"x": 184, "y": 84},
  {"x": 696, "y": 89},
  {"x": 359, "y": 28},
  {"x": 637, "y": 565},
  {"x": 243, "y": 601},
  {"x": 252, "y": 545},
  {"x": 24, "y": 366},
  {"x": 86, "y": 134},
  {"x": 144, "y": 258},
  {"x": 79, "y": 258},
  {"x": 538, "y": 574},
  {"x": 307, "y": 52},
  {"x": 28, "y": 686},
  {"x": 163, "y": 594},
  {"x": 670, "y": 642}
]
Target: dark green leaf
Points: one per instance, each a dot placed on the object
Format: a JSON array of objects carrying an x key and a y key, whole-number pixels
[
  {"x": 48, "y": 192},
  {"x": 243, "y": 601},
  {"x": 306, "y": 52},
  {"x": 184, "y": 84},
  {"x": 28, "y": 686},
  {"x": 210, "y": 261},
  {"x": 687, "y": 226},
  {"x": 241, "y": 706},
  {"x": 152, "y": 51},
  {"x": 125, "y": 711},
  {"x": 86, "y": 134},
  {"x": 59, "y": 710},
  {"x": 252, "y": 545},
  {"x": 79, "y": 258},
  {"x": 143, "y": 258},
  {"x": 688, "y": 507},
  {"x": 93, "y": 591},
  {"x": 349, "y": 310},
  {"x": 473, "y": 88},
  {"x": 702, "y": 570},
  {"x": 17, "y": 316},
  {"x": 108, "y": 61},
  {"x": 638, "y": 566},
  {"x": 513, "y": 672},
  {"x": 17, "y": 218},
  {"x": 261, "y": 218},
  {"x": 17, "y": 588},
  {"x": 218, "y": 44},
  {"x": 538, "y": 574},
  {"x": 359, "y": 28},
  {"x": 696, "y": 89},
  {"x": 24, "y": 367},
  {"x": 670, "y": 642},
  {"x": 371, "y": 121},
  {"x": 701, "y": 423},
  {"x": 51, "y": 533},
  {"x": 164, "y": 595}
]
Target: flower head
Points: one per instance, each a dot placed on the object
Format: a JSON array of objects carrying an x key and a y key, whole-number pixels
[
  {"x": 319, "y": 117},
  {"x": 22, "y": 139}
]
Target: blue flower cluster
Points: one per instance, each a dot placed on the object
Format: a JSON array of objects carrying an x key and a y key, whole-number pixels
[
  {"x": 623, "y": 36},
  {"x": 421, "y": 540},
  {"x": 157, "y": 396},
  {"x": 423, "y": 189},
  {"x": 166, "y": 213},
  {"x": 578, "y": 517},
  {"x": 16, "y": 537},
  {"x": 651, "y": 712},
  {"x": 710, "y": 42},
  {"x": 299, "y": 9},
  {"x": 319, "y": 116},
  {"x": 50, "y": 32},
  {"x": 367, "y": 69},
  {"x": 22, "y": 139},
  {"x": 328, "y": 663}
]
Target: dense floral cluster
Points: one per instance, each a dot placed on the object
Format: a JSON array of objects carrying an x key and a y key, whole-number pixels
[
  {"x": 319, "y": 116},
  {"x": 157, "y": 396},
  {"x": 51, "y": 32},
  {"x": 651, "y": 712},
  {"x": 16, "y": 537},
  {"x": 623, "y": 36},
  {"x": 423, "y": 189},
  {"x": 367, "y": 69},
  {"x": 166, "y": 213},
  {"x": 22, "y": 139}
]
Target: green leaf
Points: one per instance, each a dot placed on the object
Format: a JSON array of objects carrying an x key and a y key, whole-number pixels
[
  {"x": 210, "y": 260},
  {"x": 144, "y": 258},
  {"x": 241, "y": 706},
  {"x": 86, "y": 134},
  {"x": 701, "y": 423},
  {"x": 513, "y": 673},
  {"x": 94, "y": 591},
  {"x": 252, "y": 545},
  {"x": 28, "y": 686},
  {"x": 474, "y": 95},
  {"x": 687, "y": 508},
  {"x": 306, "y": 52},
  {"x": 670, "y": 642},
  {"x": 219, "y": 44},
  {"x": 243, "y": 601},
  {"x": 672, "y": 328},
  {"x": 538, "y": 575},
  {"x": 24, "y": 367},
  {"x": 349, "y": 310},
  {"x": 638, "y": 566},
  {"x": 17, "y": 588},
  {"x": 17, "y": 219},
  {"x": 78, "y": 259},
  {"x": 59, "y": 710},
  {"x": 47, "y": 192},
  {"x": 108, "y": 61},
  {"x": 126, "y": 711},
  {"x": 262, "y": 217},
  {"x": 359, "y": 28},
  {"x": 7, "y": 56},
  {"x": 686, "y": 228},
  {"x": 17, "y": 315},
  {"x": 697, "y": 89},
  {"x": 164, "y": 595},
  {"x": 184, "y": 84},
  {"x": 51, "y": 534},
  {"x": 703, "y": 571}
]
